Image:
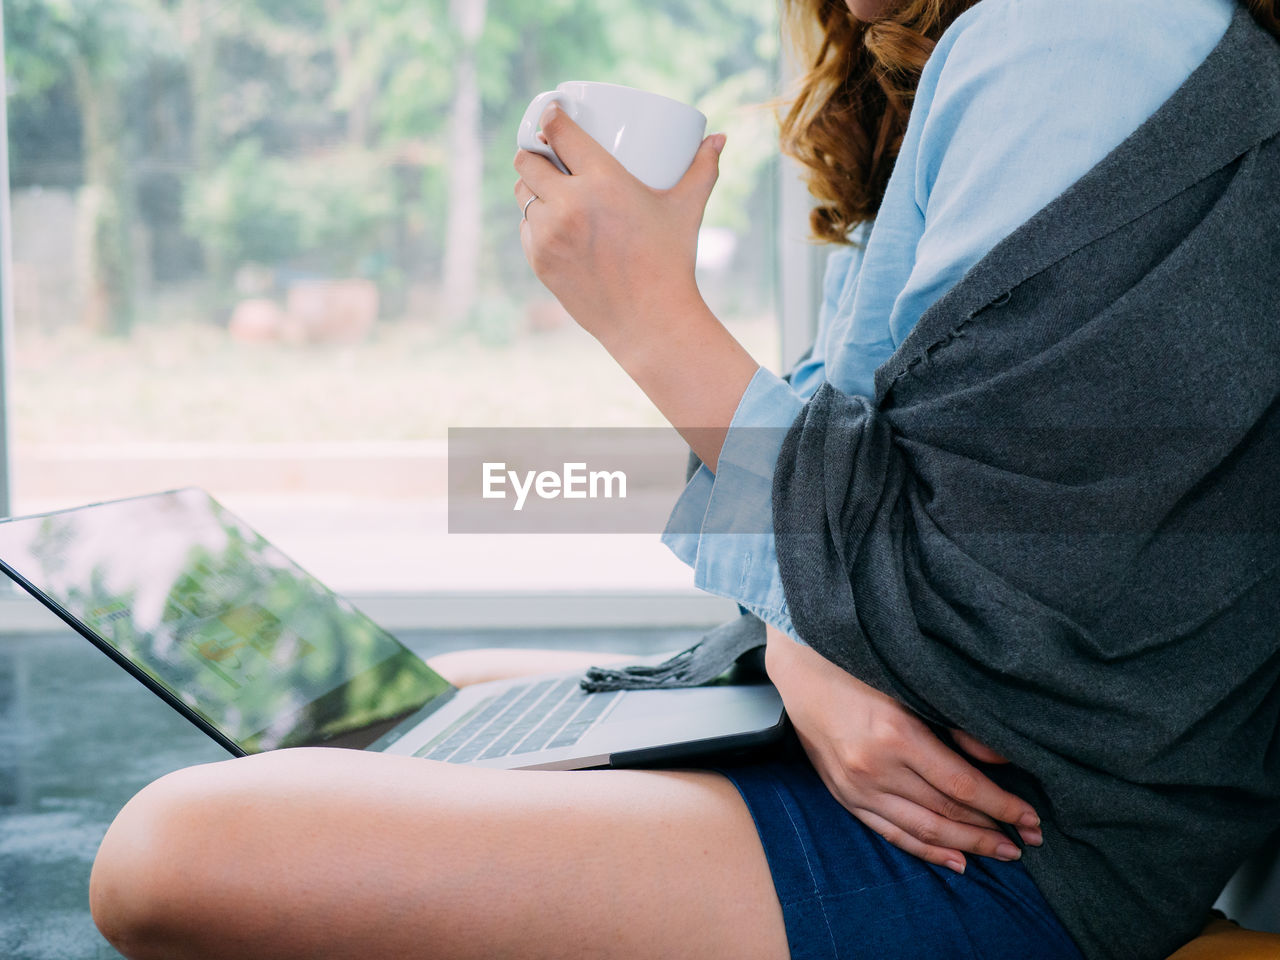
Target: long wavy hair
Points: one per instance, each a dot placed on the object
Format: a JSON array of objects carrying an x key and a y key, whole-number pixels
[{"x": 846, "y": 122}]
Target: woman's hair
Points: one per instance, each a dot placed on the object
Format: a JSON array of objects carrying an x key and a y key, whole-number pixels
[{"x": 845, "y": 124}]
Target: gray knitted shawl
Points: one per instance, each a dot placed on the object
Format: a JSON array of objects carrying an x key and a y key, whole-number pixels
[{"x": 1057, "y": 527}]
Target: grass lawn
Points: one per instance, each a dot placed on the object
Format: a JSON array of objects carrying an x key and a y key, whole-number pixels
[{"x": 189, "y": 382}]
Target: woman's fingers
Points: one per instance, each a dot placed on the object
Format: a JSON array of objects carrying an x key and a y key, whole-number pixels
[
  {"x": 922, "y": 792},
  {"x": 860, "y": 799},
  {"x": 956, "y": 778},
  {"x": 537, "y": 173},
  {"x": 925, "y": 794},
  {"x": 962, "y": 786},
  {"x": 573, "y": 145},
  {"x": 901, "y": 800},
  {"x": 933, "y": 830},
  {"x": 942, "y": 856},
  {"x": 907, "y": 806}
]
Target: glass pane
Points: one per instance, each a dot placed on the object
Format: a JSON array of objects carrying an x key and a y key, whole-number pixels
[{"x": 270, "y": 248}]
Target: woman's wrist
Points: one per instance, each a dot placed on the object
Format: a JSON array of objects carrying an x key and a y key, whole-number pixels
[{"x": 640, "y": 331}]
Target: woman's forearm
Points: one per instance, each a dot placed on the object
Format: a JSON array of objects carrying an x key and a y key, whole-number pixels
[{"x": 691, "y": 367}]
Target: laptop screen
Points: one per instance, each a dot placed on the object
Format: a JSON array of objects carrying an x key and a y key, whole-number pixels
[{"x": 221, "y": 620}]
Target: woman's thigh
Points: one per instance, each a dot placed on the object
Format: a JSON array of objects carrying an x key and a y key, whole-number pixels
[{"x": 336, "y": 853}]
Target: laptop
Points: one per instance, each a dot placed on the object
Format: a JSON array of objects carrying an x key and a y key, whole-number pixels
[{"x": 260, "y": 655}]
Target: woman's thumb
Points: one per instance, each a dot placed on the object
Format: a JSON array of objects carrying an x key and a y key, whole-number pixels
[{"x": 703, "y": 171}]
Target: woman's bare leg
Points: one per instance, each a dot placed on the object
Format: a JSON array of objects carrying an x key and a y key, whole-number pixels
[{"x": 341, "y": 854}]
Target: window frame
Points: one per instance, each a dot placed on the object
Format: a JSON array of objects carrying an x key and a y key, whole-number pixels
[{"x": 6, "y": 291}]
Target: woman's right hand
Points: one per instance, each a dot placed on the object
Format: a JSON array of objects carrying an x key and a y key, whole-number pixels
[{"x": 888, "y": 769}]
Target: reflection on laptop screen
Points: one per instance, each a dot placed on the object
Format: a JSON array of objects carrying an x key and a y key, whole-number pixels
[{"x": 223, "y": 621}]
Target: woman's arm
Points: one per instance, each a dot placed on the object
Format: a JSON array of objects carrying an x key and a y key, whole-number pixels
[{"x": 620, "y": 257}]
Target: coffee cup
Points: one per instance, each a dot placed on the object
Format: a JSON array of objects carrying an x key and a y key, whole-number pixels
[{"x": 653, "y": 136}]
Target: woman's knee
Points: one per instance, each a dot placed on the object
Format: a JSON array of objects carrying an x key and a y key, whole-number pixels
[
  {"x": 149, "y": 889},
  {"x": 284, "y": 842}
]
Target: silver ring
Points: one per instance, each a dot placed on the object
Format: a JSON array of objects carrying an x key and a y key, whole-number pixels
[{"x": 525, "y": 215}]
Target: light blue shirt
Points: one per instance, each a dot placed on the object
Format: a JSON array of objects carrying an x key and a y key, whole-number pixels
[{"x": 1018, "y": 100}]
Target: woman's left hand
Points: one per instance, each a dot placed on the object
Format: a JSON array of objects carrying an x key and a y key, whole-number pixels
[
  {"x": 618, "y": 254},
  {"x": 886, "y": 767}
]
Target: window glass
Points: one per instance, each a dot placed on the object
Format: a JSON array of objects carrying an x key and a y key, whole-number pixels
[{"x": 270, "y": 248}]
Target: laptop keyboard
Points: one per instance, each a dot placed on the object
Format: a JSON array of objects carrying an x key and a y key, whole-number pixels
[{"x": 522, "y": 719}]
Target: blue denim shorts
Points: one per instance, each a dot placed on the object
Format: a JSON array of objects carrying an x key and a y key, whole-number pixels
[{"x": 847, "y": 893}]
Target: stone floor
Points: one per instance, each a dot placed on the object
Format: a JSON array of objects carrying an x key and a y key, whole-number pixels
[{"x": 79, "y": 736}]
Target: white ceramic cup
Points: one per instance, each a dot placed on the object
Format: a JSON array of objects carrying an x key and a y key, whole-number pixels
[{"x": 653, "y": 136}]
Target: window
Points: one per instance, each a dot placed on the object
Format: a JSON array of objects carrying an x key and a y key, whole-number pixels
[{"x": 270, "y": 248}]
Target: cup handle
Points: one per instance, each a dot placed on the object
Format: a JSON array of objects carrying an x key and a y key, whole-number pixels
[{"x": 527, "y": 137}]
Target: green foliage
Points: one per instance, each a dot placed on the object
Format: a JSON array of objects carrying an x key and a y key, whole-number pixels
[
  {"x": 315, "y": 133},
  {"x": 36, "y": 46},
  {"x": 326, "y": 211},
  {"x": 737, "y": 106},
  {"x": 343, "y": 201},
  {"x": 243, "y": 209},
  {"x": 94, "y": 48},
  {"x": 114, "y": 38},
  {"x": 407, "y": 52}
]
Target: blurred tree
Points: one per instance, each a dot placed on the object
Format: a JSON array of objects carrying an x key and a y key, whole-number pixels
[
  {"x": 365, "y": 135},
  {"x": 320, "y": 214},
  {"x": 100, "y": 45},
  {"x": 720, "y": 55},
  {"x": 464, "y": 235}
]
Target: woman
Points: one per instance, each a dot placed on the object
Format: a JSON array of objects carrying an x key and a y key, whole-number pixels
[{"x": 330, "y": 853}]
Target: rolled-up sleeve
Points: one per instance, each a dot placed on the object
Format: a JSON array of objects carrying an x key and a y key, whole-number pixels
[{"x": 722, "y": 525}]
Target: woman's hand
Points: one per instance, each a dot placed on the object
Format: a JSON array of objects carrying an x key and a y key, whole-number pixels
[
  {"x": 887, "y": 768},
  {"x": 616, "y": 252},
  {"x": 620, "y": 257}
]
